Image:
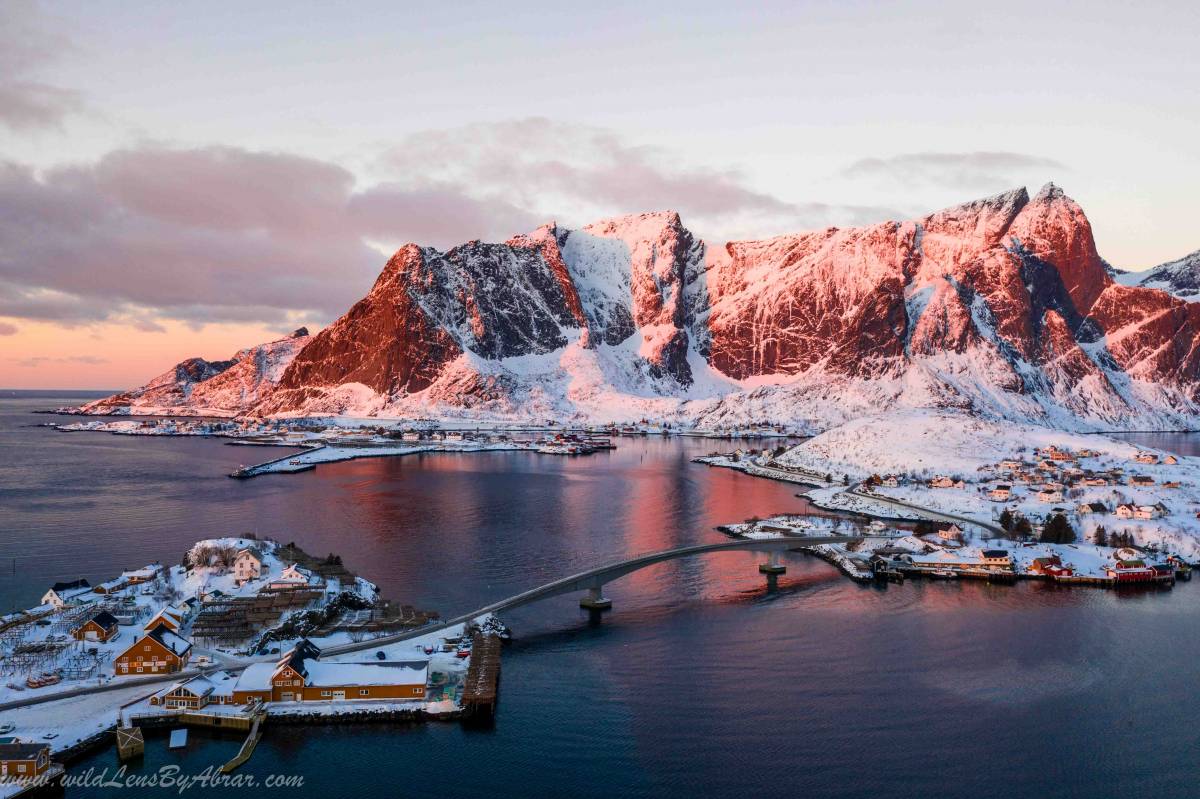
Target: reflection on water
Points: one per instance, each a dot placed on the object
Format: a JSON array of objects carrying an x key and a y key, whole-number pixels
[{"x": 699, "y": 682}]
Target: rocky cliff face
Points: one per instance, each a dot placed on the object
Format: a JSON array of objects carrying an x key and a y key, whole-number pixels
[{"x": 1001, "y": 305}]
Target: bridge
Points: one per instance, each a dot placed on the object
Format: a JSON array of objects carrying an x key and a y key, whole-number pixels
[{"x": 591, "y": 581}]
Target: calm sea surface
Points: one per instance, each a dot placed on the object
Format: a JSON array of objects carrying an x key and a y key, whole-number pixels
[{"x": 698, "y": 683}]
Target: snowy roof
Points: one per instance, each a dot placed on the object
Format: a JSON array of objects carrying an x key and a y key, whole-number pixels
[
  {"x": 256, "y": 677},
  {"x": 329, "y": 674},
  {"x": 145, "y": 572},
  {"x": 74, "y": 585},
  {"x": 103, "y": 618},
  {"x": 175, "y": 643}
]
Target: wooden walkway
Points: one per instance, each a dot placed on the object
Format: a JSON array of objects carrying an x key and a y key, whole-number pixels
[
  {"x": 483, "y": 676},
  {"x": 248, "y": 745}
]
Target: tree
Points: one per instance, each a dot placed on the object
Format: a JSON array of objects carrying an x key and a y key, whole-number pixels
[
  {"x": 1057, "y": 530},
  {"x": 1006, "y": 520},
  {"x": 1100, "y": 537},
  {"x": 924, "y": 527},
  {"x": 1023, "y": 528}
]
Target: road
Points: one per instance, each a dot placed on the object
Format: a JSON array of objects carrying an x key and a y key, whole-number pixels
[{"x": 929, "y": 512}]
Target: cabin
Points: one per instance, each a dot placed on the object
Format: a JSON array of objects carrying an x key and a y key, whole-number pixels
[
  {"x": 1125, "y": 511},
  {"x": 1146, "y": 457},
  {"x": 410, "y": 435},
  {"x": 145, "y": 574},
  {"x": 159, "y": 651},
  {"x": 301, "y": 677},
  {"x": 1141, "y": 480},
  {"x": 101, "y": 626},
  {"x": 1095, "y": 481},
  {"x": 1170, "y": 460},
  {"x": 1170, "y": 484},
  {"x": 1090, "y": 508},
  {"x": 1000, "y": 493},
  {"x": 890, "y": 481},
  {"x": 1050, "y": 495},
  {"x": 169, "y": 617},
  {"x": 23, "y": 760},
  {"x": 116, "y": 585},
  {"x": 293, "y": 577},
  {"x": 1050, "y": 566},
  {"x": 941, "y": 481},
  {"x": 1010, "y": 465},
  {"x": 1055, "y": 454},
  {"x": 951, "y": 533},
  {"x": 1148, "y": 512},
  {"x": 1047, "y": 466},
  {"x": 247, "y": 565},
  {"x": 62, "y": 594}
]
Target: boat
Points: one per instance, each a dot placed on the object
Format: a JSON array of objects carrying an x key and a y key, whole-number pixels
[
  {"x": 943, "y": 574},
  {"x": 463, "y": 653}
]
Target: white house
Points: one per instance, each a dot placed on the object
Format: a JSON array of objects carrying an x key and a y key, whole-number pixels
[
  {"x": 941, "y": 481},
  {"x": 1050, "y": 495},
  {"x": 1125, "y": 511},
  {"x": 247, "y": 565},
  {"x": 1000, "y": 493},
  {"x": 60, "y": 594},
  {"x": 1147, "y": 512},
  {"x": 293, "y": 577}
]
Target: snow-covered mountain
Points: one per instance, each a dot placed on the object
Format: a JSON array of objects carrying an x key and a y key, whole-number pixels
[
  {"x": 1001, "y": 306},
  {"x": 1181, "y": 277},
  {"x": 210, "y": 388}
]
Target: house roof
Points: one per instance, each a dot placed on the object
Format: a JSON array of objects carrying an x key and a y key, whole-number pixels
[
  {"x": 298, "y": 656},
  {"x": 175, "y": 643},
  {"x": 74, "y": 585},
  {"x": 256, "y": 677},
  {"x": 104, "y": 619},
  {"x": 254, "y": 551},
  {"x": 21, "y": 751},
  {"x": 334, "y": 675},
  {"x": 995, "y": 553}
]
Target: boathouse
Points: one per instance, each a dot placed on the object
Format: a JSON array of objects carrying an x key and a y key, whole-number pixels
[{"x": 301, "y": 677}]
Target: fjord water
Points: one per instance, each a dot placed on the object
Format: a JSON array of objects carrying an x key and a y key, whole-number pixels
[{"x": 698, "y": 683}]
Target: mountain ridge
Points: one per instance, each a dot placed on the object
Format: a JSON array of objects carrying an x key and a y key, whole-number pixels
[{"x": 1001, "y": 305}]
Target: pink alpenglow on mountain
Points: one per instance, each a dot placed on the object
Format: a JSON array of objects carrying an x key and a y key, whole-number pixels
[{"x": 1001, "y": 306}]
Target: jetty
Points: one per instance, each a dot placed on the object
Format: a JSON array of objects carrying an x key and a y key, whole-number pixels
[
  {"x": 482, "y": 683},
  {"x": 248, "y": 745}
]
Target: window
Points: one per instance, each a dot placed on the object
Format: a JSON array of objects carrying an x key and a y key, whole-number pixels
[
  {"x": 139, "y": 668},
  {"x": 146, "y": 648},
  {"x": 20, "y": 767},
  {"x": 364, "y": 691},
  {"x": 326, "y": 693},
  {"x": 417, "y": 691}
]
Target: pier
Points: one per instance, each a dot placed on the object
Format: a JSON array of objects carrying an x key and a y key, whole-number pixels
[{"x": 482, "y": 683}]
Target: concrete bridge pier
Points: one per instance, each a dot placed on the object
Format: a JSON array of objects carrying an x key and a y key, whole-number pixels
[
  {"x": 595, "y": 599},
  {"x": 772, "y": 567}
]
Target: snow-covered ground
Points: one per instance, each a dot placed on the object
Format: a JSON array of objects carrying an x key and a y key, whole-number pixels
[{"x": 976, "y": 457}]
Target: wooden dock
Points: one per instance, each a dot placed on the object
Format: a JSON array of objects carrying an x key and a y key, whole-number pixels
[
  {"x": 248, "y": 745},
  {"x": 482, "y": 683}
]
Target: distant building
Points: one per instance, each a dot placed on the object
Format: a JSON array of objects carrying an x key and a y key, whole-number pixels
[
  {"x": 100, "y": 626},
  {"x": 1088, "y": 508},
  {"x": 1148, "y": 512},
  {"x": 62, "y": 594},
  {"x": 143, "y": 575},
  {"x": 300, "y": 676},
  {"x": 198, "y": 692},
  {"x": 1146, "y": 457},
  {"x": 1050, "y": 566},
  {"x": 1141, "y": 480},
  {"x": 160, "y": 651},
  {"x": 996, "y": 558},
  {"x": 1125, "y": 511},
  {"x": 1170, "y": 460},
  {"x": 247, "y": 565},
  {"x": 941, "y": 481},
  {"x": 1050, "y": 495},
  {"x": 171, "y": 618},
  {"x": 890, "y": 481},
  {"x": 23, "y": 760},
  {"x": 1000, "y": 493}
]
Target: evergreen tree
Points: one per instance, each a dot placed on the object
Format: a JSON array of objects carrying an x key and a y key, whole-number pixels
[
  {"x": 1101, "y": 536},
  {"x": 1023, "y": 528},
  {"x": 1057, "y": 530},
  {"x": 1006, "y": 520}
]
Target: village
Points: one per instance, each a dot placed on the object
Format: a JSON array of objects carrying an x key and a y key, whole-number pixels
[
  {"x": 1062, "y": 507},
  {"x": 242, "y": 632}
]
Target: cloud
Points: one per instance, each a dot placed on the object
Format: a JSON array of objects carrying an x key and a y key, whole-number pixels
[
  {"x": 581, "y": 172},
  {"x": 41, "y": 360},
  {"x": 8, "y": 330},
  {"x": 224, "y": 234},
  {"x": 977, "y": 171},
  {"x": 27, "y": 44}
]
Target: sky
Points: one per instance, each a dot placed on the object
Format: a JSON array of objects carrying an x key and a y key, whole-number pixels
[{"x": 187, "y": 179}]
